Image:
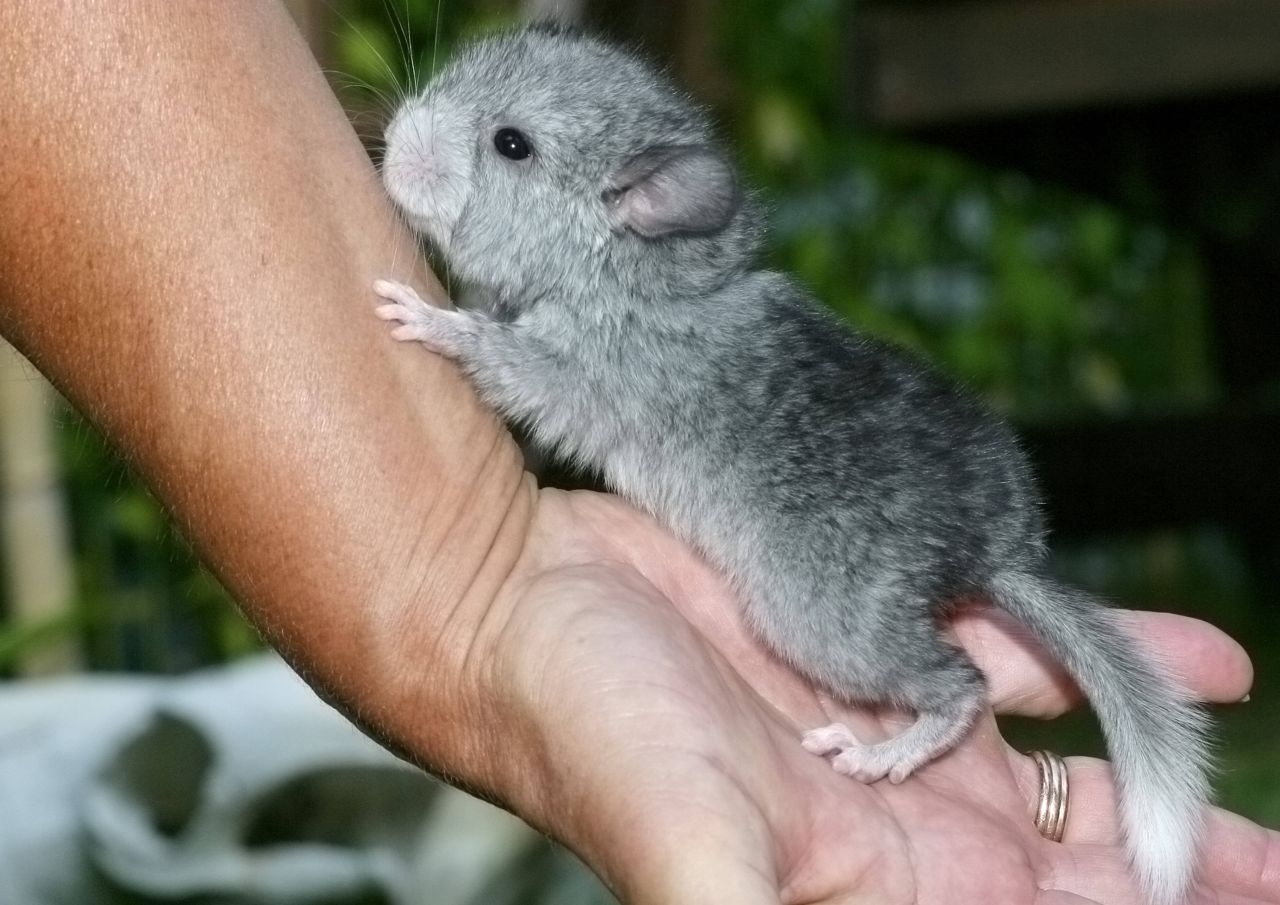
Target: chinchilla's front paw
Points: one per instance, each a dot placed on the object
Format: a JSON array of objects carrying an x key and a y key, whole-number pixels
[{"x": 447, "y": 331}]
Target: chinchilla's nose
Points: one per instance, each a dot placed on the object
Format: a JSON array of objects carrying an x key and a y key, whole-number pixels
[{"x": 427, "y": 165}]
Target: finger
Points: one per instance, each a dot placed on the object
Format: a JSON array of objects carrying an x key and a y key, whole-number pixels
[
  {"x": 1024, "y": 679},
  {"x": 1100, "y": 874},
  {"x": 1091, "y": 800},
  {"x": 1238, "y": 857},
  {"x": 1241, "y": 857}
]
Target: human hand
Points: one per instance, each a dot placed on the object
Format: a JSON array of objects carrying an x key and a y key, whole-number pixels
[{"x": 667, "y": 745}]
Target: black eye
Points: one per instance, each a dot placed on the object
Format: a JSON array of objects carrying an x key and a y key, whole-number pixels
[{"x": 512, "y": 144}]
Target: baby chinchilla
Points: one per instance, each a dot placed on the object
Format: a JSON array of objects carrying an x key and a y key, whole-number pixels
[{"x": 848, "y": 491}]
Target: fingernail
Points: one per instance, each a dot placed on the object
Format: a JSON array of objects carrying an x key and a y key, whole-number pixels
[{"x": 1245, "y": 699}]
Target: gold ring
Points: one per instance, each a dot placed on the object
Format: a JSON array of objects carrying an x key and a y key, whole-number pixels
[{"x": 1051, "y": 809}]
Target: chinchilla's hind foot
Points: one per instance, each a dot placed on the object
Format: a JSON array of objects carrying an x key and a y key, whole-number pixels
[{"x": 939, "y": 726}]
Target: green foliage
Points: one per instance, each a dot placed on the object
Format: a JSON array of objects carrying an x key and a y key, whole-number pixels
[
  {"x": 1049, "y": 303},
  {"x": 18, "y": 641},
  {"x": 143, "y": 600},
  {"x": 387, "y": 49}
]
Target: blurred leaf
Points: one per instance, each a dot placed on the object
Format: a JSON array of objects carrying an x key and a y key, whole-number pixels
[{"x": 20, "y": 640}]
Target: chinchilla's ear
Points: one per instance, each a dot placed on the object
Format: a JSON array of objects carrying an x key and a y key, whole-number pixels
[{"x": 673, "y": 189}]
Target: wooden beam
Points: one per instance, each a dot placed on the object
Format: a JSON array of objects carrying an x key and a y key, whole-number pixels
[{"x": 922, "y": 64}]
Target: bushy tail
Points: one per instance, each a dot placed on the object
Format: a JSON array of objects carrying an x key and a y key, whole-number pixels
[{"x": 1157, "y": 738}]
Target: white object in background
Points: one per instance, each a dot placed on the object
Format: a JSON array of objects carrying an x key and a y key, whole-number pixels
[{"x": 231, "y": 785}]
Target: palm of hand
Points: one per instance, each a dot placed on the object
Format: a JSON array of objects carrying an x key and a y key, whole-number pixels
[{"x": 686, "y": 735}]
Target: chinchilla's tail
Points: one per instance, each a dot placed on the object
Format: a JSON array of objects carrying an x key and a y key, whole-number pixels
[{"x": 1156, "y": 737}]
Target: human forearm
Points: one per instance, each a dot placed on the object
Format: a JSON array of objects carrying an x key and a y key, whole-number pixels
[{"x": 188, "y": 233}]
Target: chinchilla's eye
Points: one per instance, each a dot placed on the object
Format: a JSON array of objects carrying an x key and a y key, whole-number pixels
[{"x": 512, "y": 144}]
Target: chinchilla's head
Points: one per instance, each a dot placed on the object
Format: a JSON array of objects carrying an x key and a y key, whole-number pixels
[{"x": 545, "y": 162}]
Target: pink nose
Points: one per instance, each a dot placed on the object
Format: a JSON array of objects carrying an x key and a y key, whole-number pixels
[{"x": 411, "y": 140}]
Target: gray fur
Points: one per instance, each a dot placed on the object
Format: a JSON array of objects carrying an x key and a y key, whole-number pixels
[
  {"x": 848, "y": 492},
  {"x": 673, "y": 189}
]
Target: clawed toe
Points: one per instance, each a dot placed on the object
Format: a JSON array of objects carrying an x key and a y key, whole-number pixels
[
  {"x": 442, "y": 330},
  {"x": 828, "y": 739},
  {"x": 865, "y": 763},
  {"x": 862, "y": 763},
  {"x": 397, "y": 292},
  {"x": 392, "y": 312},
  {"x": 409, "y": 333}
]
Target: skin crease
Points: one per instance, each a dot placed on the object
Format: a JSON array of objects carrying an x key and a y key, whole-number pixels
[{"x": 188, "y": 233}]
